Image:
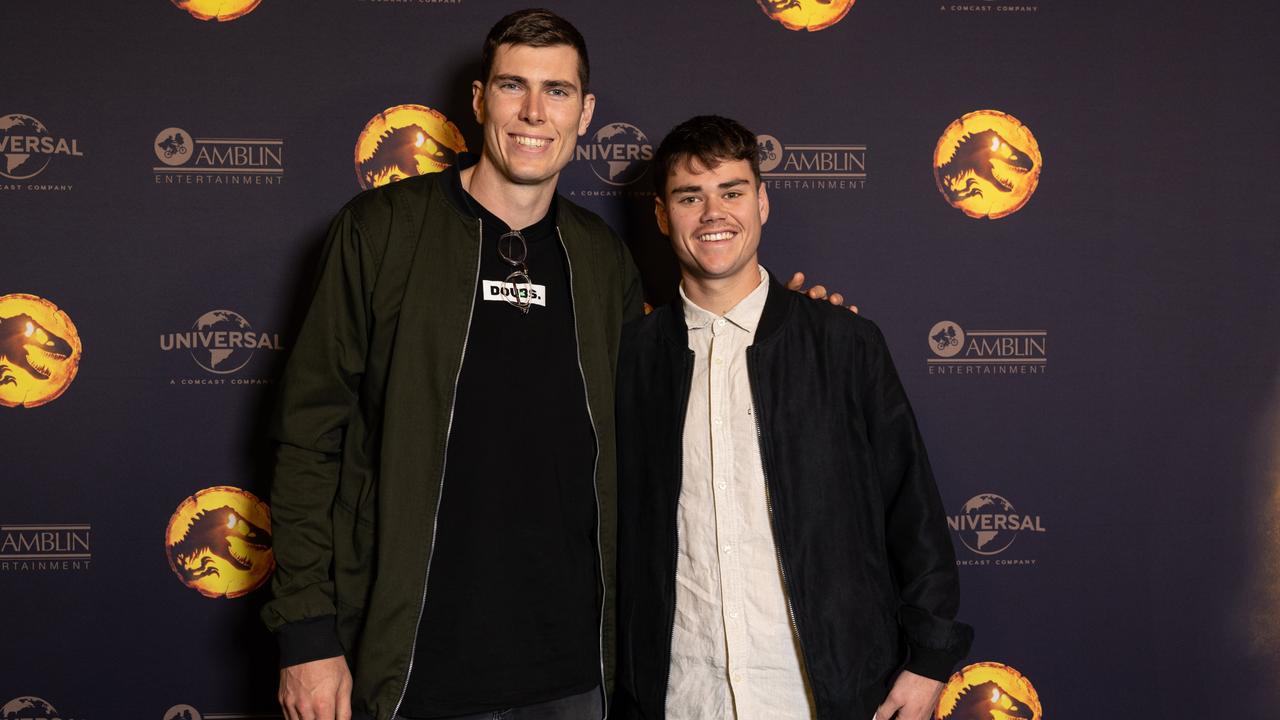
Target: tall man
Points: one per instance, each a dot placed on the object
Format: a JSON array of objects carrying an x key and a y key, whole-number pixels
[
  {"x": 783, "y": 551},
  {"x": 444, "y": 497}
]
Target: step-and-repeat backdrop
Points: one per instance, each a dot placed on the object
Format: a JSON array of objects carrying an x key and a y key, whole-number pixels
[{"x": 1059, "y": 212}]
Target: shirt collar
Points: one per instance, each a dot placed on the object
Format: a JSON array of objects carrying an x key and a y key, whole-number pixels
[{"x": 746, "y": 314}]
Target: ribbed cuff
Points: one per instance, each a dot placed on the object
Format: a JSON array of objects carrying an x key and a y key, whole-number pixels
[{"x": 306, "y": 640}]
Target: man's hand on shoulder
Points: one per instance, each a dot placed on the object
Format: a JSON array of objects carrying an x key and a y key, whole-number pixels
[
  {"x": 316, "y": 690},
  {"x": 817, "y": 292},
  {"x": 912, "y": 697}
]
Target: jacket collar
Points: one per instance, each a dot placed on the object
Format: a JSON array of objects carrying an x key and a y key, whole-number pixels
[{"x": 777, "y": 306}]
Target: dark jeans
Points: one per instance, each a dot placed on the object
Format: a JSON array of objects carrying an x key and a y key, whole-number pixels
[{"x": 585, "y": 706}]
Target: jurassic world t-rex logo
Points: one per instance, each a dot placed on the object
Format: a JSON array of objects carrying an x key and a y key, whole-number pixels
[
  {"x": 219, "y": 542},
  {"x": 987, "y": 164},
  {"x": 988, "y": 691},
  {"x": 39, "y": 351},
  {"x": 404, "y": 141},
  {"x": 811, "y": 15},
  {"x": 220, "y": 10}
]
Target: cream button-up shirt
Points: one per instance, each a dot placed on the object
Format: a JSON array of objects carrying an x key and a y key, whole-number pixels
[{"x": 734, "y": 653}]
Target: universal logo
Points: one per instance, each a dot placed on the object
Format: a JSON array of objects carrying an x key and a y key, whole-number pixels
[
  {"x": 187, "y": 160},
  {"x": 618, "y": 154},
  {"x": 993, "y": 7},
  {"x": 221, "y": 342},
  {"x": 988, "y": 690},
  {"x": 27, "y": 148},
  {"x": 811, "y": 167},
  {"x": 987, "y": 525},
  {"x": 43, "y": 548},
  {"x": 986, "y": 352},
  {"x": 32, "y": 708},
  {"x": 186, "y": 712}
]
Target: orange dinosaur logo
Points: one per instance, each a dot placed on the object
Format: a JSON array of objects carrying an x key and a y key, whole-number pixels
[
  {"x": 39, "y": 351},
  {"x": 219, "y": 542},
  {"x": 404, "y": 141}
]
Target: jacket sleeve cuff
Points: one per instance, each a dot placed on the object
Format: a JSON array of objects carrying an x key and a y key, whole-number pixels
[
  {"x": 934, "y": 664},
  {"x": 307, "y": 640}
]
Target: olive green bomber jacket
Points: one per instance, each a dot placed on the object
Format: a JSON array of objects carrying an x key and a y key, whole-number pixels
[{"x": 363, "y": 419}]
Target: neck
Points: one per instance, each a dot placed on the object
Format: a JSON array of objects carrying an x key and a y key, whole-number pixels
[
  {"x": 519, "y": 206},
  {"x": 718, "y": 295}
]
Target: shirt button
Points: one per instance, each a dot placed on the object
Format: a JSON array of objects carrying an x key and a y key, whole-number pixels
[
  {"x": 718, "y": 361},
  {"x": 716, "y": 421},
  {"x": 733, "y": 614},
  {"x": 720, "y": 322},
  {"x": 721, "y": 485},
  {"x": 736, "y": 678},
  {"x": 727, "y": 548}
]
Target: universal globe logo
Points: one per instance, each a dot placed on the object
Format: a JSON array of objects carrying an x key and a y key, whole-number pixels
[
  {"x": 221, "y": 341},
  {"x": 27, "y": 146},
  {"x": 619, "y": 153},
  {"x": 30, "y": 708},
  {"x": 988, "y": 524}
]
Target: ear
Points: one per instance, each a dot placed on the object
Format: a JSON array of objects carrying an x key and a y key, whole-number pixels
[
  {"x": 588, "y": 109},
  {"x": 477, "y": 100},
  {"x": 763, "y": 199},
  {"x": 660, "y": 214}
]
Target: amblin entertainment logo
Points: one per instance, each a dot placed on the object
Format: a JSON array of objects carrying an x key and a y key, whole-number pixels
[
  {"x": 221, "y": 342},
  {"x": 44, "y": 547},
  {"x": 811, "y": 167},
  {"x": 986, "y": 352},
  {"x": 187, "y": 160}
]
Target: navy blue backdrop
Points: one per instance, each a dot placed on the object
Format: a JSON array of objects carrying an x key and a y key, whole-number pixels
[{"x": 1115, "y": 392}]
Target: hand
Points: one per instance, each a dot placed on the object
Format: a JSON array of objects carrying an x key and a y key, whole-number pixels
[
  {"x": 316, "y": 690},
  {"x": 912, "y": 697},
  {"x": 817, "y": 292}
]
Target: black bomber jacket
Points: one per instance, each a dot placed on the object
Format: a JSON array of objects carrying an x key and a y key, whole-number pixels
[
  {"x": 861, "y": 534},
  {"x": 364, "y": 417}
]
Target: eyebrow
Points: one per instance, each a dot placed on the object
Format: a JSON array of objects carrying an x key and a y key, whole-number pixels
[
  {"x": 698, "y": 188},
  {"x": 566, "y": 84}
]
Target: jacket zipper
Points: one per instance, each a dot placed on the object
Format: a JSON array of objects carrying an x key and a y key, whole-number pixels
[
  {"x": 444, "y": 458},
  {"x": 675, "y": 559},
  {"x": 595, "y": 467},
  {"x": 777, "y": 541}
]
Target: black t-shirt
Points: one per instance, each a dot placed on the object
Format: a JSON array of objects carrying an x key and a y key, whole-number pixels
[{"x": 512, "y": 609}]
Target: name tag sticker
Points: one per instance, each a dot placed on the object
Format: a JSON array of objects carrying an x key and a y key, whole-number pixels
[{"x": 504, "y": 291}]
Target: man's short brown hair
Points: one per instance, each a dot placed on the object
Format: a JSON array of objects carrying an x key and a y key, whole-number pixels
[
  {"x": 709, "y": 139},
  {"x": 535, "y": 27}
]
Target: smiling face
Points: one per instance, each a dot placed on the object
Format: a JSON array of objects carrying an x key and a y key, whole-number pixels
[
  {"x": 714, "y": 217},
  {"x": 533, "y": 110}
]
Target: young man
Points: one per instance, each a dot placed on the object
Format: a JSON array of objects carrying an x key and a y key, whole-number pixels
[
  {"x": 444, "y": 499},
  {"x": 783, "y": 551}
]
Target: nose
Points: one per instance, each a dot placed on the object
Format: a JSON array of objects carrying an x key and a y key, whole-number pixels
[
  {"x": 532, "y": 111},
  {"x": 712, "y": 210}
]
